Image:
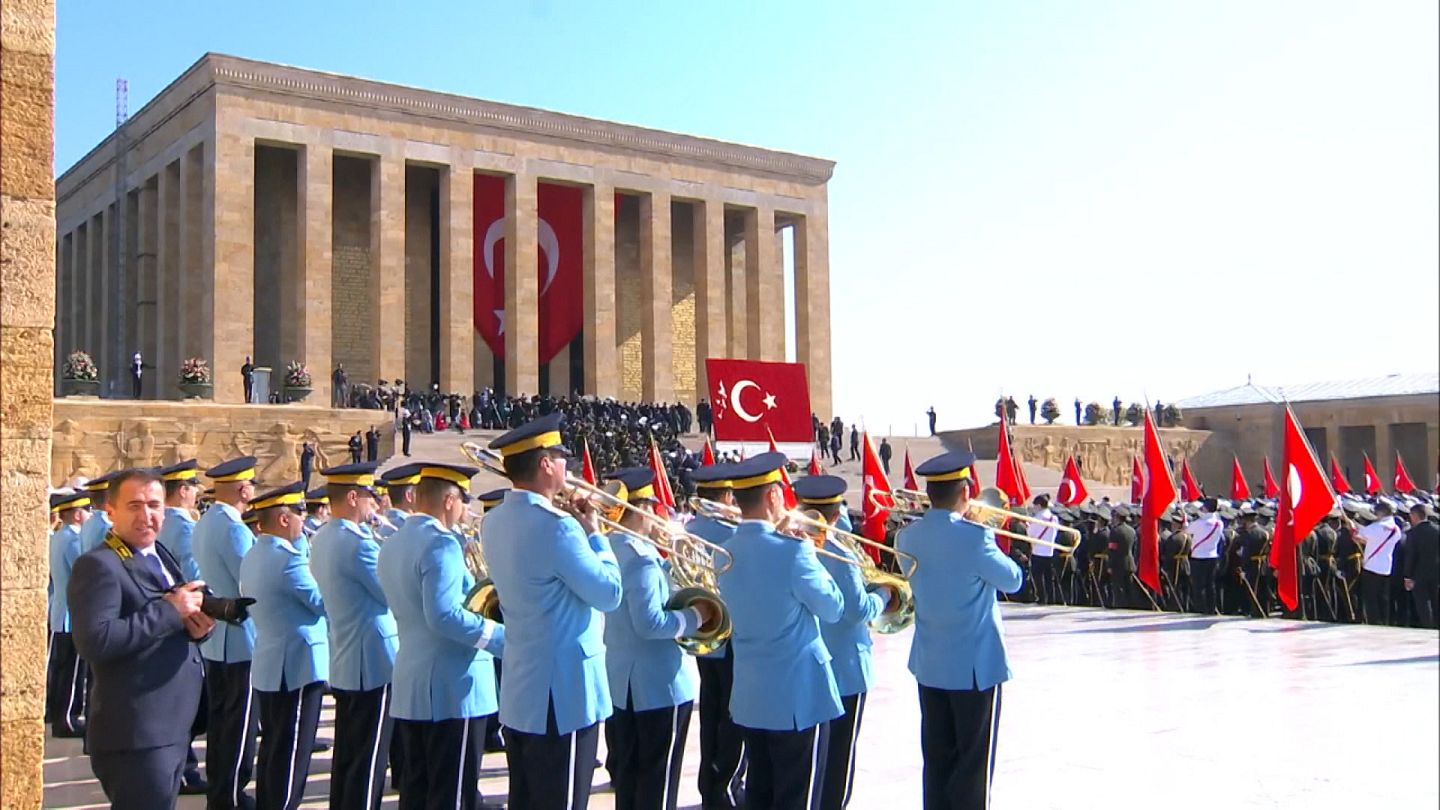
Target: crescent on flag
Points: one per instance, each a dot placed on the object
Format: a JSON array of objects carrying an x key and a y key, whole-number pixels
[
  {"x": 1067, "y": 491},
  {"x": 549, "y": 245},
  {"x": 1292, "y": 482},
  {"x": 739, "y": 406}
]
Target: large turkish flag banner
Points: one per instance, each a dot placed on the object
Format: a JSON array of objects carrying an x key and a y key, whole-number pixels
[
  {"x": 559, "y": 271},
  {"x": 753, "y": 400}
]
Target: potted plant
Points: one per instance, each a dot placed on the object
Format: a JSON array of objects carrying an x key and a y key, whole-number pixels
[
  {"x": 195, "y": 380},
  {"x": 79, "y": 377},
  {"x": 297, "y": 382},
  {"x": 1050, "y": 411}
]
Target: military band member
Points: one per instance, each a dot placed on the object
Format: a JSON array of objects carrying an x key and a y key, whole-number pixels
[
  {"x": 1206, "y": 534},
  {"x": 92, "y": 534},
  {"x": 1175, "y": 558},
  {"x": 182, "y": 489},
  {"x": 494, "y": 730},
  {"x": 958, "y": 652},
  {"x": 66, "y": 693},
  {"x": 220, "y": 541},
  {"x": 1326, "y": 596},
  {"x": 722, "y": 744},
  {"x": 784, "y": 695},
  {"x": 848, "y": 639},
  {"x": 317, "y": 511},
  {"x": 1347, "y": 560},
  {"x": 555, "y": 574},
  {"x": 344, "y": 555},
  {"x": 443, "y": 682},
  {"x": 1255, "y": 541},
  {"x": 291, "y": 661},
  {"x": 397, "y": 497},
  {"x": 1121, "y": 549},
  {"x": 1042, "y": 557},
  {"x": 652, "y": 681},
  {"x": 1377, "y": 542}
]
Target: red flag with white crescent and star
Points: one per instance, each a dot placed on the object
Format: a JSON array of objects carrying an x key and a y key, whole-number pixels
[
  {"x": 587, "y": 466},
  {"x": 1372, "y": 478},
  {"x": 786, "y": 487},
  {"x": 1189, "y": 488},
  {"x": 663, "y": 493},
  {"x": 814, "y": 468},
  {"x": 974, "y": 479},
  {"x": 1337, "y": 478},
  {"x": 1403, "y": 482},
  {"x": 1272, "y": 489},
  {"x": 1007, "y": 471},
  {"x": 1072, "y": 489},
  {"x": 1239, "y": 487},
  {"x": 876, "y": 497},
  {"x": 707, "y": 455},
  {"x": 1137, "y": 480},
  {"x": 910, "y": 482},
  {"x": 1305, "y": 499},
  {"x": 753, "y": 400},
  {"x": 1159, "y": 493}
]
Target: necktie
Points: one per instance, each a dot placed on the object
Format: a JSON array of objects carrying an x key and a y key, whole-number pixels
[{"x": 153, "y": 563}]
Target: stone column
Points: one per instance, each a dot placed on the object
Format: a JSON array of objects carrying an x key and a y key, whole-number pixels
[
  {"x": 812, "y": 306},
  {"x": 1384, "y": 455},
  {"x": 558, "y": 373},
  {"x": 27, "y": 318},
  {"x": 64, "y": 298},
  {"x": 764, "y": 287},
  {"x": 522, "y": 291},
  {"x": 656, "y": 361},
  {"x": 229, "y": 278},
  {"x": 457, "y": 279},
  {"x": 146, "y": 287},
  {"x": 602, "y": 365},
  {"x": 710, "y": 326},
  {"x": 387, "y": 262},
  {"x": 103, "y": 269},
  {"x": 169, "y": 312},
  {"x": 315, "y": 179},
  {"x": 80, "y": 302},
  {"x": 190, "y": 287}
]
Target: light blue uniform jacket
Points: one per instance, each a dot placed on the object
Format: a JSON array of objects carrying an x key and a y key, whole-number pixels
[
  {"x": 220, "y": 541},
  {"x": 292, "y": 645},
  {"x": 444, "y": 669},
  {"x": 778, "y": 594},
  {"x": 64, "y": 550},
  {"x": 554, "y": 583},
  {"x": 344, "y": 558},
  {"x": 641, "y": 655},
  {"x": 849, "y": 638},
  {"x": 177, "y": 536},
  {"x": 717, "y": 533},
  {"x": 92, "y": 534},
  {"x": 959, "y": 642}
]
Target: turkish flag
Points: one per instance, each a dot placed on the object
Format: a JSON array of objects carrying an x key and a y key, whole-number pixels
[
  {"x": 707, "y": 456},
  {"x": 1337, "y": 478},
  {"x": 1305, "y": 499},
  {"x": 1159, "y": 493},
  {"x": 755, "y": 400},
  {"x": 974, "y": 479},
  {"x": 877, "y": 498},
  {"x": 663, "y": 493},
  {"x": 1272, "y": 489},
  {"x": 587, "y": 466},
  {"x": 1007, "y": 472},
  {"x": 1137, "y": 481},
  {"x": 1239, "y": 488},
  {"x": 814, "y": 468},
  {"x": 786, "y": 487},
  {"x": 910, "y": 482},
  {"x": 1372, "y": 478},
  {"x": 1189, "y": 489},
  {"x": 1072, "y": 490},
  {"x": 559, "y": 268},
  {"x": 1403, "y": 483}
]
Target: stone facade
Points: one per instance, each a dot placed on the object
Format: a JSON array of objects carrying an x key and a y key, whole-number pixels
[
  {"x": 1104, "y": 453},
  {"x": 289, "y": 165},
  {"x": 27, "y": 320}
]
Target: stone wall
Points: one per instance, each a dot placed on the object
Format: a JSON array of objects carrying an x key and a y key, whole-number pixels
[
  {"x": 27, "y": 320},
  {"x": 94, "y": 436},
  {"x": 1104, "y": 453},
  {"x": 353, "y": 297}
]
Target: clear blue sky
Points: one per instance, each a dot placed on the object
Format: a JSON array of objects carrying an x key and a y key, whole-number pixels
[{"x": 1070, "y": 199}]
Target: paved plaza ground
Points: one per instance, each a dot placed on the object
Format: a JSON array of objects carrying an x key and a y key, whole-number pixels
[{"x": 1119, "y": 709}]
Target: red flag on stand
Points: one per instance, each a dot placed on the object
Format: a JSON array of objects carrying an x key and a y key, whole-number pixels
[
  {"x": 1403, "y": 482},
  {"x": 1007, "y": 473},
  {"x": 1072, "y": 489},
  {"x": 1239, "y": 489},
  {"x": 785, "y": 486},
  {"x": 910, "y": 482},
  {"x": 1305, "y": 500},
  {"x": 974, "y": 479},
  {"x": 707, "y": 456},
  {"x": 1137, "y": 481},
  {"x": 878, "y": 501},
  {"x": 1372, "y": 478},
  {"x": 1189, "y": 489},
  {"x": 814, "y": 468},
  {"x": 1159, "y": 493},
  {"x": 1272, "y": 489},
  {"x": 663, "y": 493},
  {"x": 587, "y": 466},
  {"x": 1337, "y": 478}
]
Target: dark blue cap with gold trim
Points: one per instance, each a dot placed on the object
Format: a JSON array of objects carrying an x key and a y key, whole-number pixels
[
  {"x": 292, "y": 495},
  {"x": 952, "y": 466},
  {"x": 537, "y": 434},
  {"x": 713, "y": 476},
  {"x": 61, "y": 501},
  {"x": 187, "y": 470},
  {"x": 490, "y": 500},
  {"x": 404, "y": 475},
  {"x": 638, "y": 481},
  {"x": 757, "y": 471},
  {"x": 820, "y": 490},
  {"x": 236, "y": 469},
  {"x": 360, "y": 475},
  {"x": 457, "y": 474},
  {"x": 100, "y": 483},
  {"x": 318, "y": 496}
]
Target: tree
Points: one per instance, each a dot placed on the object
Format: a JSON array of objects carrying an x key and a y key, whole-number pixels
[
  {"x": 1172, "y": 417},
  {"x": 1135, "y": 413},
  {"x": 1096, "y": 414},
  {"x": 1050, "y": 411}
]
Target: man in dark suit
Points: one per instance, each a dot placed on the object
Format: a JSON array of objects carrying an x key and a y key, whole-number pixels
[
  {"x": 135, "y": 621},
  {"x": 1422, "y": 564}
]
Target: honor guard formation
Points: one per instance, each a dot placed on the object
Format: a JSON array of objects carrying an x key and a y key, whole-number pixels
[{"x": 235, "y": 613}]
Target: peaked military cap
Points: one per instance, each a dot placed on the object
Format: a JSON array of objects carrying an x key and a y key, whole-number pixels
[
  {"x": 101, "y": 483},
  {"x": 952, "y": 466},
  {"x": 537, "y": 434},
  {"x": 187, "y": 470},
  {"x": 639, "y": 483},
  {"x": 457, "y": 474},
  {"x": 820, "y": 489},
  {"x": 402, "y": 476},
  {"x": 490, "y": 500},
  {"x": 318, "y": 496},
  {"x": 757, "y": 471},
  {"x": 61, "y": 501},
  {"x": 1122, "y": 512},
  {"x": 360, "y": 475},
  {"x": 250, "y": 518},
  {"x": 236, "y": 469},
  {"x": 713, "y": 476},
  {"x": 288, "y": 495}
]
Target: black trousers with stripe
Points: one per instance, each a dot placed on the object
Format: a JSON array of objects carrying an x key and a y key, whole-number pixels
[
  {"x": 840, "y": 759},
  {"x": 230, "y": 736},
  {"x": 290, "y": 717},
  {"x": 66, "y": 692},
  {"x": 958, "y": 729},
  {"x": 362, "y": 748},
  {"x": 645, "y": 751},
  {"x": 551, "y": 771},
  {"x": 722, "y": 744},
  {"x": 787, "y": 768},
  {"x": 441, "y": 767}
]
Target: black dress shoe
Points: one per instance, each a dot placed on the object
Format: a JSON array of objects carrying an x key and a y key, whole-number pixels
[
  {"x": 194, "y": 787},
  {"x": 320, "y": 745}
]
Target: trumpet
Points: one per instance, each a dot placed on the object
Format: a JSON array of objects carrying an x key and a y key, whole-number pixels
[
  {"x": 989, "y": 510},
  {"x": 892, "y": 620},
  {"x": 694, "y": 562}
]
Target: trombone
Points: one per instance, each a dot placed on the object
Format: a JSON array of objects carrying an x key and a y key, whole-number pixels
[
  {"x": 892, "y": 620},
  {"x": 989, "y": 510}
]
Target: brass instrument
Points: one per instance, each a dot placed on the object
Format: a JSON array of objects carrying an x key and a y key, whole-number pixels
[
  {"x": 892, "y": 620},
  {"x": 482, "y": 598},
  {"x": 989, "y": 510},
  {"x": 694, "y": 562}
]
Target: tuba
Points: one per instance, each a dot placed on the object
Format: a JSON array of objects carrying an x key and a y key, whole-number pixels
[{"x": 483, "y": 598}]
